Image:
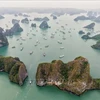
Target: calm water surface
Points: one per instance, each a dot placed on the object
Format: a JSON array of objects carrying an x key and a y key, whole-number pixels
[{"x": 73, "y": 46}]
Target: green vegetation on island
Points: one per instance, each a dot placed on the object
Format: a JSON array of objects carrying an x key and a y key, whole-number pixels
[{"x": 73, "y": 76}]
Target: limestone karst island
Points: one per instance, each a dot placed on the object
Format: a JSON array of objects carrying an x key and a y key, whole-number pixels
[{"x": 49, "y": 50}]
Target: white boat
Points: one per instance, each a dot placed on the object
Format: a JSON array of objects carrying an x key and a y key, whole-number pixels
[
  {"x": 61, "y": 56},
  {"x": 61, "y": 47},
  {"x": 31, "y": 52},
  {"x": 59, "y": 42},
  {"x": 44, "y": 54},
  {"x": 45, "y": 38},
  {"x": 22, "y": 48}
]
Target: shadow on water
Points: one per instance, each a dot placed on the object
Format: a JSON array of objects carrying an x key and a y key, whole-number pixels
[{"x": 3, "y": 50}]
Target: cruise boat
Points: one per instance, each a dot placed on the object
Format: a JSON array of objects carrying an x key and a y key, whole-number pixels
[{"x": 61, "y": 56}]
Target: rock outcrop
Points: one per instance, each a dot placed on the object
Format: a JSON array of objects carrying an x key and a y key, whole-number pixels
[
  {"x": 15, "y": 68},
  {"x": 25, "y": 20},
  {"x": 3, "y": 39},
  {"x": 16, "y": 28},
  {"x": 73, "y": 76},
  {"x": 41, "y": 19},
  {"x": 14, "y": 21},
  {"x": 44, "y": 25},
  {"x": 90, "y": 26}
]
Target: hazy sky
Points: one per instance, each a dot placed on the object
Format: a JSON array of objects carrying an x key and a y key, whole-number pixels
[{"x": 54, "y": 3}]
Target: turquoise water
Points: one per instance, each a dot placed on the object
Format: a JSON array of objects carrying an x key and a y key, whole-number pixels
[{"x": 73, "y": 46}]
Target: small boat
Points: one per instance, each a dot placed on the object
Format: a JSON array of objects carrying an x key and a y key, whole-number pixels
[
  {"x": 44, "y": 54},
  {"x": 46, "y": 46},
  {"x": 52, "y": 36},
  {"x": 31, "y": 52},
  {"x": 59, "y": 42},
  {"x": 17, "y": 40},
  {"x": 20, "y": 43},
  {"x": 30, "y": 38},
  {"x": 30, "y": 81},
  {"x": 13, "y": 47},
  {"x": 34, "y": 34},
  {"x": 64, "y": 38},
  {"x": 61, "y": 47},
  {"x": 61, "y": 56},
  {"x": 35, "y": 45},
  {"x": 45, "y": 38},
  {"x": 21, "y": 48}
]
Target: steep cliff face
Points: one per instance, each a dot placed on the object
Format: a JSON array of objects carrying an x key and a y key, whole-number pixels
[
  {"x": 15, "y": 68},
  {"x": 73, "y": 76},
  {"x": 3, "y": 39}
]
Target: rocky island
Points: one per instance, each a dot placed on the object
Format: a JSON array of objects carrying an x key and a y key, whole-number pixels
[
  {"x": 90, "y": 26},
  {"x": 15, "y": 68},
  {"x": 97, "y": 45},
  {"x": 81, "y": 18},
  {"x": 33, "y": 25},
  {"x": 25, "y": 20},
  {"x": 44, "y": 25},
  {"x": 1, "y": 17},
  {"x": 73, "y": 76},
  {"x": 14, "y": 21},
  {"x": 81, "y": 32},
  {"x": 3, "y": 39},
  {"x": 41, "y": 19},
  {"x": 15, "y": 29}
]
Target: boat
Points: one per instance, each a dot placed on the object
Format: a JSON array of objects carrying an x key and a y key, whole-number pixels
[
  {"x": 17, "y": 40},
  {"x": 64, "y": 38},
  {"x": 44, "y": 54},
  {"x": 59, "y": 42},
  {"x": 21, "y": 48},
  {"x": 30, "y": 82},
  {"x": 35, "y": 45},
  {"x": 46, "y": 46},
  {"x": 61, "y": 47},
  {"x": 31, "y": 52},
  {"x": 45, "y": 38},
  {"x": 61, "y": 56},
  {"x": 13, "y": 46},
  {"x": 20, "y": 43},
  {"x": 34, "y": 34}
]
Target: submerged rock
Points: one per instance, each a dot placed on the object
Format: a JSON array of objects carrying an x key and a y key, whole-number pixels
[
  {"x": 26, "y": 21},
  {"x": 73, "y": 76},
  {"x": 90, "y": 26},
  {"x": 3, "y": 39},
  {"x": 14, "y": 21},
  {"x": 44, "y": 25},
  {"x": 15, "y": 68},
  {"x": 16, "y": 28}
]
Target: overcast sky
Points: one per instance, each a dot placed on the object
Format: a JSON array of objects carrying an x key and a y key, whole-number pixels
[{"x": 55, "y": 3}]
